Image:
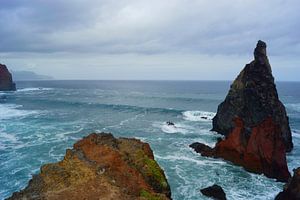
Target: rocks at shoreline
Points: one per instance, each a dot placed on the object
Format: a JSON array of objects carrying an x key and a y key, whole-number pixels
[
  {"x": 6, "y": 81},
  {"x": 253, "y": 98},
  {"x": 101, "y": 167},
  {"x": 291, "y": 190},
  {"x": 254, "y": 122},
  {"x": 263, "y": 152},
  {"x": 215, "y": 191}
]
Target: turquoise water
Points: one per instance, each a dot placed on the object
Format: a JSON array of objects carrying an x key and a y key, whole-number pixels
[{"x": 40, "y": 120}]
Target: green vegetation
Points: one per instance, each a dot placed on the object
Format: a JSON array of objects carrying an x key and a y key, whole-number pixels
[{"x": 147, "y": 195}]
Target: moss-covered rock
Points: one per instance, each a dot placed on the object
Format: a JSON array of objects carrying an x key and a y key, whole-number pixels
[{"x": 101, "y": 167}]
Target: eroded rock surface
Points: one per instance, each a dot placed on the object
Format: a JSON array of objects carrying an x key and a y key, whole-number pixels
[
  {"x": 253, "y": 97},
  {"x": 254, "y": 122},
  {"x": 262, "y": 151},
  {"x": 6, "y": 82},
  {"x": 101, "y": 167}
]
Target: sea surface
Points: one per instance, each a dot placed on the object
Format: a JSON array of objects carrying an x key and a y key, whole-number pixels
[{"x": 42, "y": 119}]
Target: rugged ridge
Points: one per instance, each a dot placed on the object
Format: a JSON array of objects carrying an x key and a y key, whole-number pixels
[
  {"x": 6, "y": 82},
  {"x": 253, "y": 97},
  {"x": 101, "y": 167},
  {"x": 254, "y": 122},
  {"x": 291, "y": 190}
]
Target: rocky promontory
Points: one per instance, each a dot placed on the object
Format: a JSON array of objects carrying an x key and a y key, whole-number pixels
[
  {"x": 101, "y": 167},
  {"x": 254, "y": 122},
  {"x": 6, "y": 81}
]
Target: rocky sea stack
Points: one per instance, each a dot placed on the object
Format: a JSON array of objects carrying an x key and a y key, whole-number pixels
[
  {"x": 253, "y": 98},
  {"x": 254, "y": 122},
  {"x": 101, "y": 167},
  {"x": 6, "y": 81}
]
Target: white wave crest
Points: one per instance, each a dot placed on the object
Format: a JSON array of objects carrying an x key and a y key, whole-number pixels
[
  {"x": 198, "y": 115},
  {"x": 7, "y": 137},
  {"x": 296, "y": 134},
  {"x": 9, "y": 111},
  {"x": 294, "y": 106},
  {"x": 177, "y": 128},
  {"x": 33, "y": 89}
]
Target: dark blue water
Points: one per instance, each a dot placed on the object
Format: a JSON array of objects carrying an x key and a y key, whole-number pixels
[{"x": 42, "y": 119}]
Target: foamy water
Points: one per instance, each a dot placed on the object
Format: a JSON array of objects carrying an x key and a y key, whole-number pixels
[
  {"x": 198, "y": 115},
  {"x": 41, "y": 120}
]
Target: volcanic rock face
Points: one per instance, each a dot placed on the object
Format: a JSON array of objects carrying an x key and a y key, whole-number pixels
[
  {"x": 254, "y": 122},
  {"x": 101, "y": 167},
  {"x": 292, "y": 188},
  {"x": 262, "y": 152},
  {"x": 253, "y": 98},
  {"x": 6, "y": 82}
]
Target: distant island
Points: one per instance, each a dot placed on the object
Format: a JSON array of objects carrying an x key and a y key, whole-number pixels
[{"x": 29, "y": 76}]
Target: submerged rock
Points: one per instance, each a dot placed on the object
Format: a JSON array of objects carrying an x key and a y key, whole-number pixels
[
  {"x": 101, "y": 167},
  {"x": 254, "y": 122},
  {"x": 253, "y": 97},
  {"x": 291, "y": 190},
  {"x": 215, "y": 192},
  {"x": 6, "y": 82},
  {"x": 170, "y": 123}
]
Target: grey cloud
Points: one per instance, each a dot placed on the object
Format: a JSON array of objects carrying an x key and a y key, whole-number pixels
[{"x": 147, "y": 27}]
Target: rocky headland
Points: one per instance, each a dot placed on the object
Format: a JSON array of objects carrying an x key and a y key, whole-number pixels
[
  {"x": 101, "y": 167},
  {"x": 254, "y": 122},
  {"x": 6, "y": 81}
]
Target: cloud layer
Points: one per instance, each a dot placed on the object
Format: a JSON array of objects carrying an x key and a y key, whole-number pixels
[{"x": 142, "y": 27}]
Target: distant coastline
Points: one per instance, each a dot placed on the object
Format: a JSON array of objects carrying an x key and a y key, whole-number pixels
[{"x": 29, "y": 76}]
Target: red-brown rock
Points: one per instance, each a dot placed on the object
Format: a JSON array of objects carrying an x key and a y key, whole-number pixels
[
  {"x": 254, "y": 122},
  {"x": 253, "y": 97},
  {"x": 101, "y": 167},
  {"x": 6, "y": 82},
  {"x": 260, "y": 151}
]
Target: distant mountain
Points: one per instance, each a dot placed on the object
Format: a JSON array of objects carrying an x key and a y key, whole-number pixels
[{"x": 29, "y": 75}]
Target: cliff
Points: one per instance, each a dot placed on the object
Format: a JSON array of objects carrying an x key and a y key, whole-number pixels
[
  {"x": 291, "y": 190},
  {"x": 6, "y": 82},
  {"x": 101, "y": 167},
  {"x": 253, "y": 97},
  {"x": 254, "y": 122}
]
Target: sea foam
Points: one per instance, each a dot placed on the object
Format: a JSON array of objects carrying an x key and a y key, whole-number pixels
[
  {"x": 33, "y": 89},
  {"x": 294, "y": 106},
  {"x": 9, "y": 111},
  {"x": 177, "y": 128},
  {"x": 198, "y": 115}
]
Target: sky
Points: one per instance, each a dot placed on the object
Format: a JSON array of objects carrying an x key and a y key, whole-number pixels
[{"x": 148, "y": 40}]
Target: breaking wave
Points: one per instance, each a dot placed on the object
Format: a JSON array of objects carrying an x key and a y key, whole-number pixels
[{"x": 198, "y": 115}]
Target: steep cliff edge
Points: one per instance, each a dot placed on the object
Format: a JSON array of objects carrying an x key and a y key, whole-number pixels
[
  {"x": 253, "y": 97},
  {"x": 254, "y": 122},
  {"x": 6, "y": 82},
  {"x": 101, "y": 167}
]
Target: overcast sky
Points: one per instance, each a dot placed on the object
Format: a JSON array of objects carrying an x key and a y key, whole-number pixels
[{"x": 148, "y": 39}]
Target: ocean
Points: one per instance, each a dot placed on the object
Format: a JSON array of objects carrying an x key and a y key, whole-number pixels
[{"x": 42, "y": 119}]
